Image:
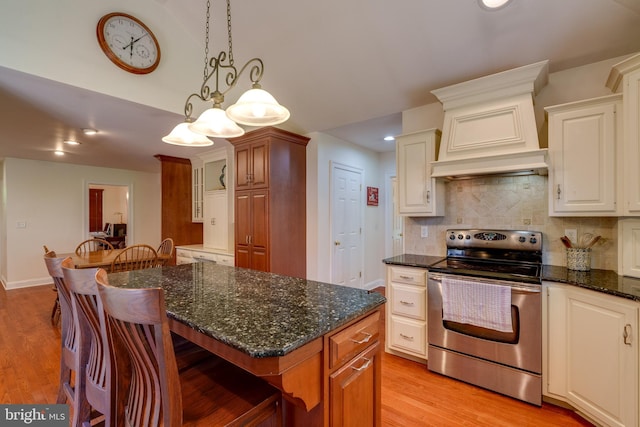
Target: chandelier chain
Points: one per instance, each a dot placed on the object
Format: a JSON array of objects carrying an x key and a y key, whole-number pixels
[
  {"x": 229, "y": 32},
  {"x": 206, "y": 44}
]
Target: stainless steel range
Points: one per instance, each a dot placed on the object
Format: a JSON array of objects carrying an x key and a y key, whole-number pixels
[{"x": 485, "y": 311}]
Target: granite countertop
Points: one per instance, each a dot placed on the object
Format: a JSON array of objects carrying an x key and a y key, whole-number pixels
[
  {"x": 260, "y": 314},
  {"x": 606, "y": 281}
]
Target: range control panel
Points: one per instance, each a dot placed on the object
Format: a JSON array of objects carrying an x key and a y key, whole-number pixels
[{"x": 494, "y": 239}]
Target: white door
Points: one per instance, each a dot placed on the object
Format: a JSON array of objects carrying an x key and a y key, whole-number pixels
[
  {"x": 346, "y": 226},
  {"x": 397, "y": 223}
]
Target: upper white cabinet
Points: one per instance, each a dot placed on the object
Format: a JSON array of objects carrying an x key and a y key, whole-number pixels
[
  {"x": 212, "y": 192},
  {"x": 592, "y": 353},
  {"x": 584, "y": 157},
  {"x": 418, "y": 193},
  {"x": 197, "y": 189},
  {"x": 625, "y": 77}
]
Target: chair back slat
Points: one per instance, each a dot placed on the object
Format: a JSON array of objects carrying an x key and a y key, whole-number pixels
[
  {"x": 138, "y": 317},
  {"x": 68, "y": 327},
  {"x": 136, "y": 257},
  {"x": 88, "y": 311}
]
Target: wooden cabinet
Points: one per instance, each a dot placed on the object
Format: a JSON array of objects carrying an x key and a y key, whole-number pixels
[
  {"x": 406, "y": 320},
  {"x": 592, "y": 353},
  {"x": 270, "y": 201},
  {"x": 625, "y": 77},
  {"x": 355, "y": 374},
  {"x": 418, "y": 193},
  {"x": 584, "y": 156},
  {"x": 176, "y": 174}
]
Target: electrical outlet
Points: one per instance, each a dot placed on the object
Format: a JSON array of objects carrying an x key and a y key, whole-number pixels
[
  {"x": 572, "y": 234},
  {"x": 424, "y": 231}
]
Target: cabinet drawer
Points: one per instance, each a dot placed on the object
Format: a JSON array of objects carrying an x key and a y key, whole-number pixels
[
  {"x": 408, "y": 301},
  {"x": 411, "y": 276},
  {"x": 225, "y": 260},
  {"x": 203, "y": 256},
  {"x": 354, "y": 339},
  {"x": 183, "y": 260},
  {"x": 408, "y": 335}
]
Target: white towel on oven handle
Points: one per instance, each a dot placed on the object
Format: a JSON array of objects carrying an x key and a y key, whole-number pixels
[{"x": 475, "y": 303}]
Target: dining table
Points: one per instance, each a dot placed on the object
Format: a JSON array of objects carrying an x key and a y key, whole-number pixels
[
  {"x": 99, "y": 259},
  {"x": 316, "y": 342}
]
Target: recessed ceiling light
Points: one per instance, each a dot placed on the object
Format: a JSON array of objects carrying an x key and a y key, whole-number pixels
[
  {"x": 389, "y": 138},
  {"x": 59, "y": 153},
  {"x": 493, "y": 4},
  {"x": 71, "y": 142},
  {"x": 88, "y": 131}
]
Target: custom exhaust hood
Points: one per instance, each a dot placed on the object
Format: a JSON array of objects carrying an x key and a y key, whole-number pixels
[{"x": 490, "y": 127}]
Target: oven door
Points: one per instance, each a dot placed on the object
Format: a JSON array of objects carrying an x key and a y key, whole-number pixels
[{"x": 521, "y": 349}]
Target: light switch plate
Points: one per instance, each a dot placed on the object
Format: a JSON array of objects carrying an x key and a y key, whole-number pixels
[{"x": 424, "y": 231}]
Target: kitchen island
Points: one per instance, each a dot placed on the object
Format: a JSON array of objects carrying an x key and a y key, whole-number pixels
[{"x": 318, "y": 343}]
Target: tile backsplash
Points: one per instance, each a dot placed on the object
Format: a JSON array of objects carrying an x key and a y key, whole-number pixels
[{"x": 510, "y": 203}]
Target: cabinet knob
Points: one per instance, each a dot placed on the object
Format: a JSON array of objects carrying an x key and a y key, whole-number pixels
[{"x": 337, "y": 243}]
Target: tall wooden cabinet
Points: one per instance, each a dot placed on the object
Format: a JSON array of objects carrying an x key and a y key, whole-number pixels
[{"x": 270, "y": 201}]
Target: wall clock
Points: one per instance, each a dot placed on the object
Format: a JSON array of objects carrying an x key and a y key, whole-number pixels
[{"x": 128, "y": 43}]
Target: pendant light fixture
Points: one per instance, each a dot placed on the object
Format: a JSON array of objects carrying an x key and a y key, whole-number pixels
[{"x": 256, "y": 107}]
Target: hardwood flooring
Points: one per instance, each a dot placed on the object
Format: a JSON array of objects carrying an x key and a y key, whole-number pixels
[{"x": 411, "y": 395}]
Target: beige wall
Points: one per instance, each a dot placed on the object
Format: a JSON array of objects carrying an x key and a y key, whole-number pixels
[{"x": 51, "y": 199}]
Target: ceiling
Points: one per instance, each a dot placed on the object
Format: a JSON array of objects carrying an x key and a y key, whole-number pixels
[{"x": 347, "y": 69}]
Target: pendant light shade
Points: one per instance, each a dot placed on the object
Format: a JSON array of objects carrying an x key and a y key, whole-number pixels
[
  {"x": 215, "y": 123},
  {"x": 182, "y": 135},
  {"x": 257, "y": 107}
]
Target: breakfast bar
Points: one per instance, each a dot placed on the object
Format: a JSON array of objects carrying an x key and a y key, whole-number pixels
[{"x": 318, "y": 343}]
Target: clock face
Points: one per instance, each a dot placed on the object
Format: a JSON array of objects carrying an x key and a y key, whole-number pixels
[{"x": 128, "y": 43}]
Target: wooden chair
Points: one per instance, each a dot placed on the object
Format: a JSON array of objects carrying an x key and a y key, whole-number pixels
[
  {"x": 93, "y": 245},
  {"x": 72, "y": 358},
  {"x": 55, "y": 311},
  {"x": 212, "y": 393},
  {"x": 90, "y": 323},
  {"x": 165, "y": 251},
  {"x": 136, "y": 257}
]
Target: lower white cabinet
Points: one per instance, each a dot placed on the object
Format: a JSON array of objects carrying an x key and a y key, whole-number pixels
[
  {"x": 406, "y": 329},
  {"x": 197, "y": 253},
  {"x": 591, "y": 355}
]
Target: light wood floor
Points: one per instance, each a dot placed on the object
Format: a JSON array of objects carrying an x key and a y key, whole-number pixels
[{"x": 411, "y": 395}]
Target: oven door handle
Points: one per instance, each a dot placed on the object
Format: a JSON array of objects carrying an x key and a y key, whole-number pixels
[{"x": 516, "y": 287}]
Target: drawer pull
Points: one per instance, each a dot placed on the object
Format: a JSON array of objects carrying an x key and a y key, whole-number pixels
[
  {"x": 366, "y": 338},
  {"x": 406, "y": 302},
  {"x": 364, "y": 366},
  {"x": 406, "y": 277},
  {"x": 406, "y": 337}
]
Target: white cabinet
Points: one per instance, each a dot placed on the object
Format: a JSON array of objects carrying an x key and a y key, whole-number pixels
[
  {"x": 625, "y": 76},
  {"x": 197, "y": 190},
  {"x": 592, "y": 353},
  {"x": 584, "y": 157},
  {"x": 189, "y": 254},
  {"x": 216, "y": 221},
  {"x": 418, "y": 193},
  {"x": 406, "y": 329}
]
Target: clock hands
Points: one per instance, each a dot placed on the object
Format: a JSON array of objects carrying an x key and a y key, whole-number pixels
[{"x": 130, "y": 45}]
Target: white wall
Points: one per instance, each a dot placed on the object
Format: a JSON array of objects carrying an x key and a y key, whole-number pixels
[
  {"x": 51, "y": 199},
  {"x": 84, "y": 64},
  {"x": 321, "y": 151}
]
